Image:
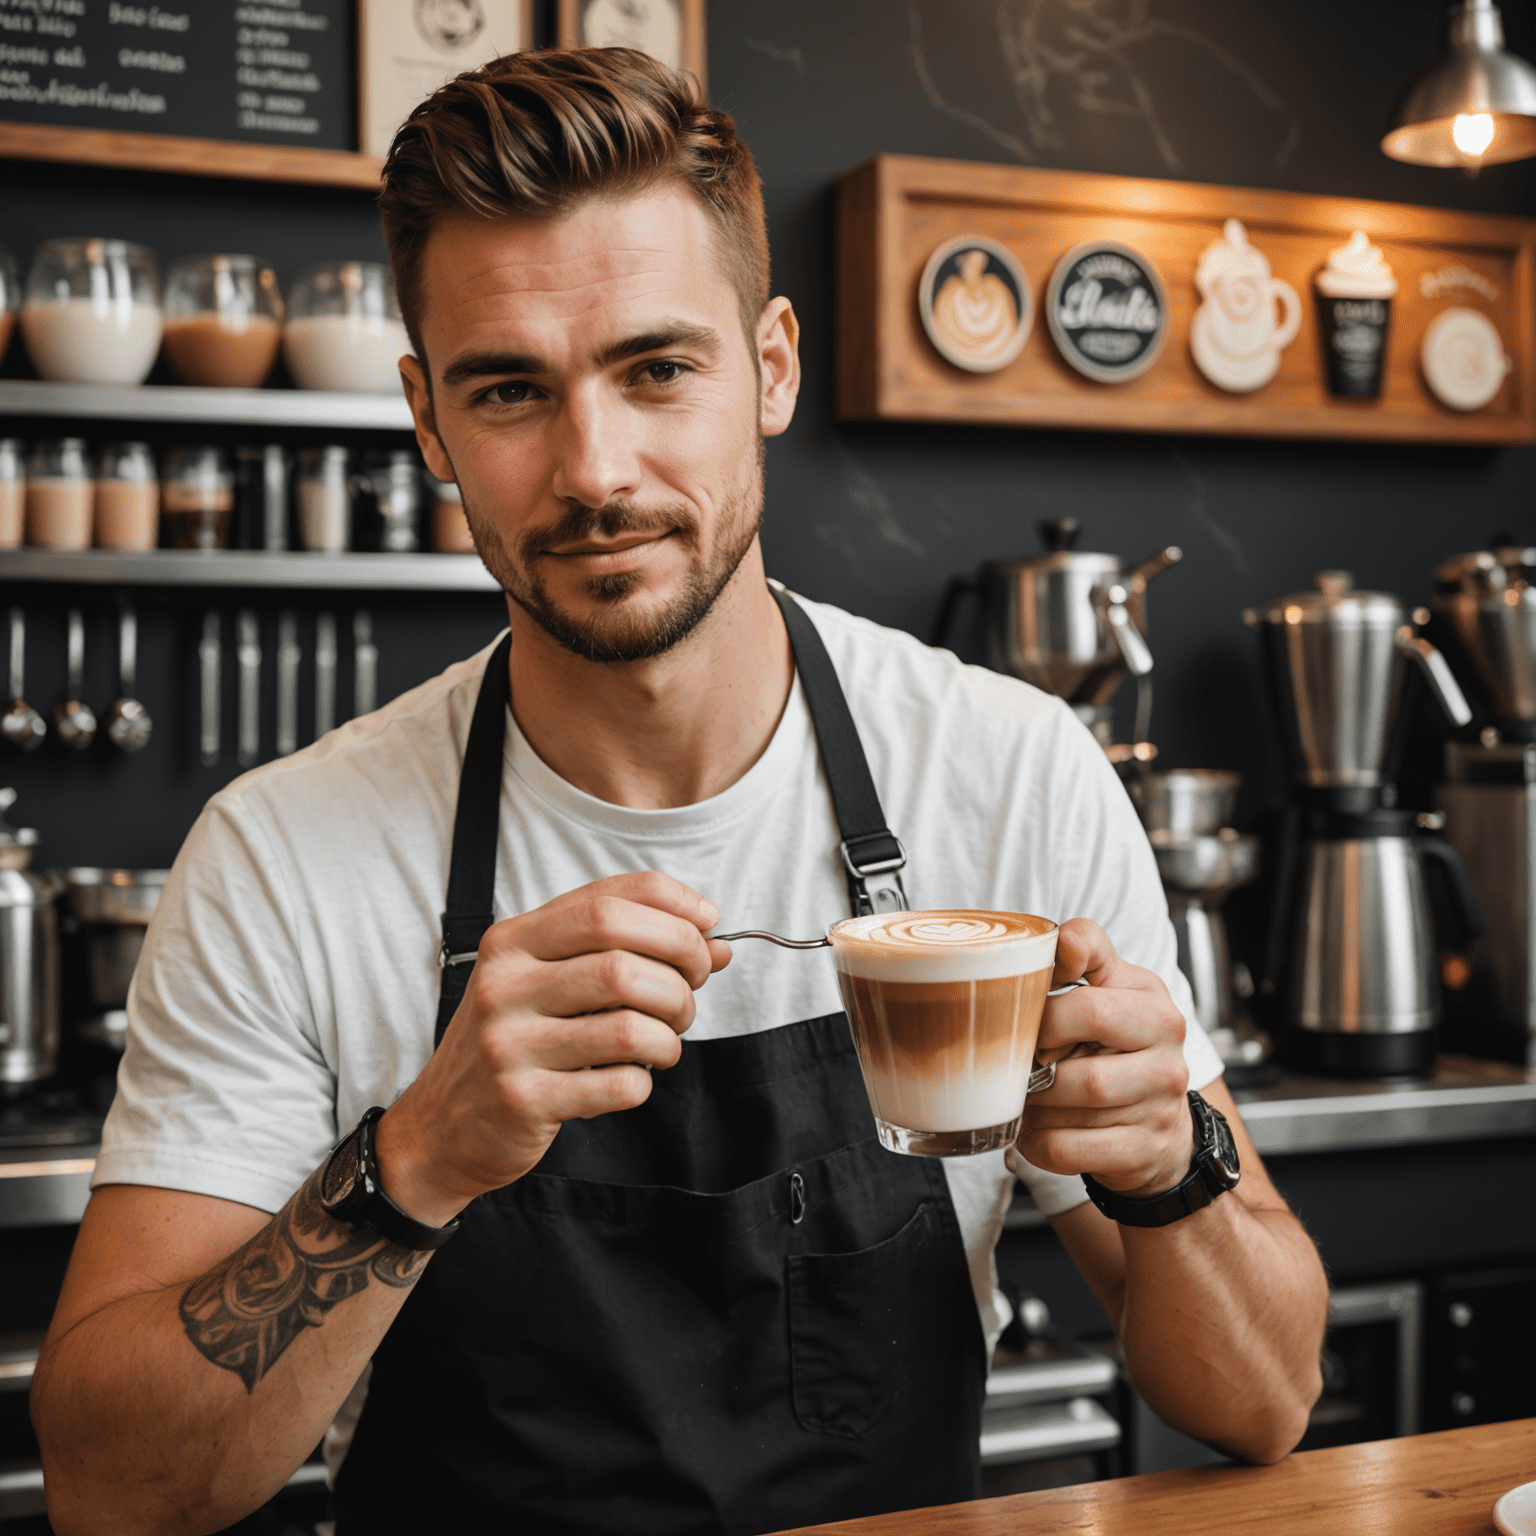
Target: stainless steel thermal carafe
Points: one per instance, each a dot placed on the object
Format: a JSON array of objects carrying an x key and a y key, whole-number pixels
[{"x": 29, "y": 962}]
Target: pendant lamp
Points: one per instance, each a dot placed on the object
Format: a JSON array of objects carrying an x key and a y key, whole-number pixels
[{"x": 1477, "y": 106}]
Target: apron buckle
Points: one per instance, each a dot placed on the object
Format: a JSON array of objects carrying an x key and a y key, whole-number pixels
[{"x": 796, "y": 1199}]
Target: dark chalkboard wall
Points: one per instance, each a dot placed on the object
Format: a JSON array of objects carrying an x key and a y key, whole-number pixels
[
  {"x": 1290, "y": 94},
  {"x": 259, "y": 71}
]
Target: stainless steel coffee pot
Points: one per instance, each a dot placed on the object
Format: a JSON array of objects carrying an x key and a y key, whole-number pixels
[
  {"x": 1366, "y": 983},
  {"x": 1069, "y": 621},
  {"x": 1489, "y": 604},
  {"x": 29, "y": 962},
  {"x": 1335, "y": 659}
]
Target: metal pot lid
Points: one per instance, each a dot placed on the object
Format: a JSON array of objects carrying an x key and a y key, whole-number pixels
[
  {"x": 1336, "y": 602},
  {"x": 1084, "y": 561},
  {"x": 1486, "y": 570}
]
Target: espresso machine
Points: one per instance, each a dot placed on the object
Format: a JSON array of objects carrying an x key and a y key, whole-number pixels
[
  {"x": 1485, "y": 612},
  {"x": 1352, "y": 968},
  {"x": 1072, "y": 623}
]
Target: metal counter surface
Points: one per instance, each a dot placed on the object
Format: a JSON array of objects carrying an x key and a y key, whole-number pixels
[{"x": 1465, "y": 1100}]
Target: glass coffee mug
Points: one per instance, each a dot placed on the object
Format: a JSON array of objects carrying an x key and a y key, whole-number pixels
[{"x": 945, "y": 1008}]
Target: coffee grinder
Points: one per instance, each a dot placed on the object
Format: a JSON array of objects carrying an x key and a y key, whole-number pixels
[
  {"x": 1072, "y": 623},
  {"x": 1485, "y": 612},
  {"x": 1351, "y": 973}
]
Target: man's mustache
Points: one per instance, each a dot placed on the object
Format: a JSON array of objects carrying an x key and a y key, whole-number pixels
[{"x": 613, "y": 521}]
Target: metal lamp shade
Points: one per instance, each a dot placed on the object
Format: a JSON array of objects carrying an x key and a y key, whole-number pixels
[{"x": 1476, "y": 77}]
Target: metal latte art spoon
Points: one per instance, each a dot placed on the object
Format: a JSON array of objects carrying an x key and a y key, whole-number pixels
[
  {"x": 21, "y": 725},
  {"x": 128, "y": 723},
  {"x": 1041, "y": 1080},
  {"x": 74, "y": 720}
]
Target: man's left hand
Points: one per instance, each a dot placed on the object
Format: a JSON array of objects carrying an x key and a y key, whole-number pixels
[{"x": 1118, "y": 1108}]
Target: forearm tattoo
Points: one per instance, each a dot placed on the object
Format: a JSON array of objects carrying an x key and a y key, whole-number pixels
[{"x": 246, "y": 1311}]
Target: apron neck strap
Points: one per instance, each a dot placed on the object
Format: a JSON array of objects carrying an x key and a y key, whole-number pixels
[
  {"x": 471, "y": 901},
  {"x": 872, "y": 854}
]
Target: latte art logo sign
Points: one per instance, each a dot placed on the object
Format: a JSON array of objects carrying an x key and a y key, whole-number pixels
[
  {"x": 976, "y": 304},
  {"x": 1107, "y": 311}
]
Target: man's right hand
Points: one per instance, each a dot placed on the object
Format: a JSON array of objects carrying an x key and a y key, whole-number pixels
[{"x": 567, "y": 1011}]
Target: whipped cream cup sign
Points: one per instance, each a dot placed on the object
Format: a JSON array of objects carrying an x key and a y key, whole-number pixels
[
  {"x": 976, "y": 304},
  {"x": 1354, "y": 306},
  {"x": 1247, "y": 316},
  {"x": 945, "y": 1007}
]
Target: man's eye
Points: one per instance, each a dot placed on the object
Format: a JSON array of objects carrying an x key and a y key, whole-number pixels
[
  {"x": 662, "y": 372},
  {"x": 518, "y": 392}
]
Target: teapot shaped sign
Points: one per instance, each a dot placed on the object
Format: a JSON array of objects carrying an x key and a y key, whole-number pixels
[{"x": 1237, "y": 337}]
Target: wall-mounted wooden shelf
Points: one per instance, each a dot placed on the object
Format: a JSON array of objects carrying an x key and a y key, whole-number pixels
[
  {"x": 895, "y": 211},
  {"x": 174, "y": 403},
  {"x": 190, "y": 157},
  {"x": 247, "y": 569}
]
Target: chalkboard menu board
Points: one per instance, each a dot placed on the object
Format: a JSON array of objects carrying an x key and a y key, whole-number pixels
[{"x": 273, "y": 72}]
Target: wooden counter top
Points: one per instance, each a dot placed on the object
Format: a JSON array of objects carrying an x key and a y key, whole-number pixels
[{"x": 1423, "y": 1485}]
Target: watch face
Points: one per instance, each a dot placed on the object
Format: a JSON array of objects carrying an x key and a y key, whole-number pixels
[
  {"x": 1224, "y": 1152},
  {"x": 340, "y": 1175}
]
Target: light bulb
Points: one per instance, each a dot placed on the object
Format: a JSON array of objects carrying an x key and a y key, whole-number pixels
[{"x": 1472, "y": 132}]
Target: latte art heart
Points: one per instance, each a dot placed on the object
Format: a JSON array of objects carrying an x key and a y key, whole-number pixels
[{"x": 959, "y": 931}]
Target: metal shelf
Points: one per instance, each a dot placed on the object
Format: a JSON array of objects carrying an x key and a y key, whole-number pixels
[
  {"x": 248, "y": 568},
  {"x": 176, "y": 404}
]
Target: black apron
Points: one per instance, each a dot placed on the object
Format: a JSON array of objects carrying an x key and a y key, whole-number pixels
[{"x": 728, "y": 1310}]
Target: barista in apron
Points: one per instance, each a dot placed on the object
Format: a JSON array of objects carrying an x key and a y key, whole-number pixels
[{"x": 727, "y": 1310}]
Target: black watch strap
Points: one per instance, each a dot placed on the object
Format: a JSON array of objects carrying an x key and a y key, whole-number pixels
[
  {"x": 365, "y": 1204},
  {"x": 1213, "y": 1170}
]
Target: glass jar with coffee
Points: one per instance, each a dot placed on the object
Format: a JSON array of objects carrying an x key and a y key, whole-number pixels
[
  {"x": 91, "y": 313},
  {"x": 59, "y": 494},
  {"x": 344, "y": 329},
  {"x": 13, "y": 491},
  {"x": 223, "y": 320},
  {"x": 197, "y": 495},
  {"x": 450, "y": 527},
  {"x": 10, "y": 298},
  {"x": 127, "y": 498}
]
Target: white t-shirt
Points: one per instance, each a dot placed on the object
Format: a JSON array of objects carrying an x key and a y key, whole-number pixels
[{"x": 289, "y": 979}]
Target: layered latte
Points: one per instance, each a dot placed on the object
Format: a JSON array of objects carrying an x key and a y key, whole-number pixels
[{"x": 945, "y": 1007}]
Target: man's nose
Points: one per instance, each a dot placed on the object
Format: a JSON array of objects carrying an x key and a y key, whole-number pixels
[{"x": 595, "y": 455}]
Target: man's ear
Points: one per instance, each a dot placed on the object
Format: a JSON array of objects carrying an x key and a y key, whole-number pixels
[
  {"x": 418, "y": 397},
  {"x": 778, "y": 357}
]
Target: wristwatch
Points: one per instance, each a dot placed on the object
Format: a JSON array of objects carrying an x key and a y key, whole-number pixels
[
  {"x": 1213, "y": 1170},
  {"x": 350, "y": 1191}
]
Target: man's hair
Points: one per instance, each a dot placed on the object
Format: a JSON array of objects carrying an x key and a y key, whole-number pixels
[{"x": 537, "y": 134}]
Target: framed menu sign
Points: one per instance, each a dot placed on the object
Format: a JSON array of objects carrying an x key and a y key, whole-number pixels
[
  {"x": 259, "y": 88},
  {"x": 410, "y": 47}
]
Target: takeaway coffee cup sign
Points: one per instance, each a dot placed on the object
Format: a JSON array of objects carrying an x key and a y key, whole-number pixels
[{"x": 1107, "y": 311}]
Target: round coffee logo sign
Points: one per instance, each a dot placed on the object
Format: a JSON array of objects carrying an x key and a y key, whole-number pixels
[
  {"x": 449, "y": 24},
  {"x": 1107, "y": 311},
  {"x": 976, "y": 304}
]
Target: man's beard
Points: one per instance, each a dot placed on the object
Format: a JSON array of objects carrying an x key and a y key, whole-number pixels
[{"x": 617, "y": 635}]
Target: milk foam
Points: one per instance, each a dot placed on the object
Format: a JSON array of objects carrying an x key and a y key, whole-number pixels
[{"x": 950, "y": 944}]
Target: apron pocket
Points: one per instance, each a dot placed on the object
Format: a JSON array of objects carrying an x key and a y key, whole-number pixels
[{"x": 851, "y": 1316}]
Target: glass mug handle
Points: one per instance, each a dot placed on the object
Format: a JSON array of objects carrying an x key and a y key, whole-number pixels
[{"x": 1043, "y": 1079}]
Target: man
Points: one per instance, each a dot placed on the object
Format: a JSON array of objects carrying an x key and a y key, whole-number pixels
[{"x": 609, "y": 1281}]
